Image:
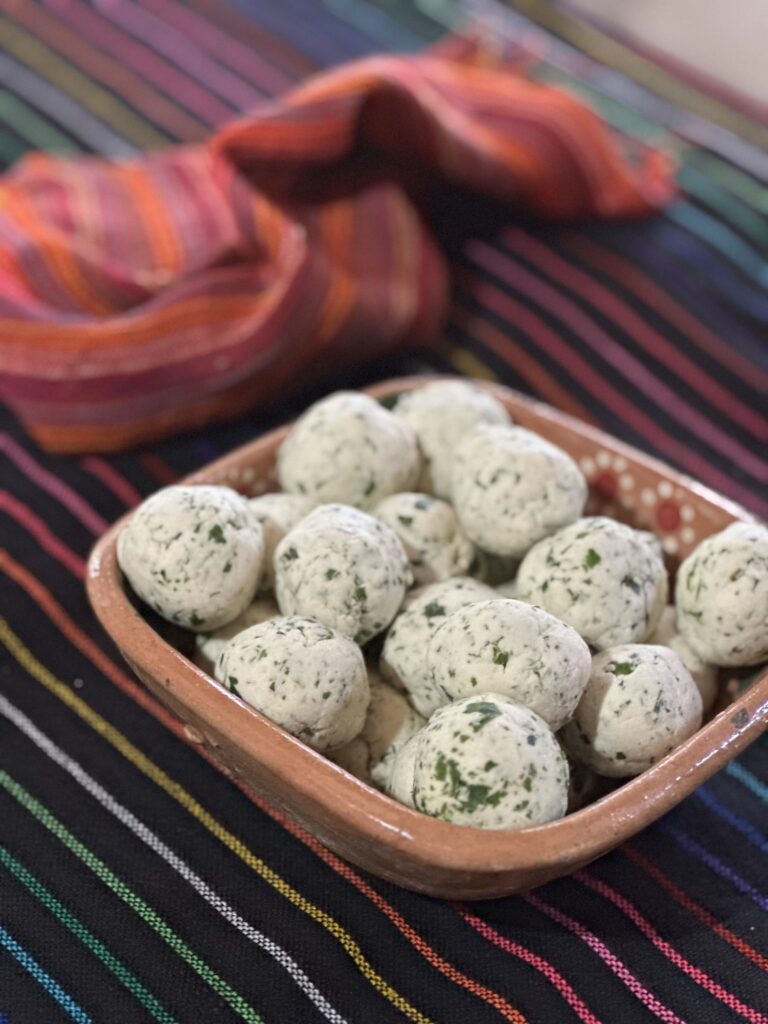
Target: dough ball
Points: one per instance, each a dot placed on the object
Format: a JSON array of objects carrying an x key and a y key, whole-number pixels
[
  {"x": 404, "y": 655},
  {"x": 308, "y": 679},
  {"x": 399, "y": 784},
  {"x": 194, "y": 554},
  {"x": 436, "y": 546},
  {"x": 345, "y": 569},
  {"x": 348, "y": 448},
  {"x": 210, "y": 645},
  {"x": 488, "y": 762},
  {"x": 278, "y": 513},
  {"x": 440, "y": 414},
  {"x": 389, "y": 724},
  {"x": 513, "y": 649},
  {"x": 640, "y": 703},
  {"x": 704, "y": 675},
  {"x": 722, "y": 596},
  {"x": 511, "y": 488},
  {"x": 601, "y": 577}
]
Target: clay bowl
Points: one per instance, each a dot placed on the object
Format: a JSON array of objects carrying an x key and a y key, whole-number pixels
[{"x": 367, "y": 827}]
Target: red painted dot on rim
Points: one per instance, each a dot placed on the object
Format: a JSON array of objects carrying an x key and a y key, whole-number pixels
[
  {"x": 668, "y": 516},
  {"x": 606, "y": 483}
]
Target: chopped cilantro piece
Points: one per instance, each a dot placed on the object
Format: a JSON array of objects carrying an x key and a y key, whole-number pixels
[
  {"x": 486, "y": 712},
  {"x": 331, "y": 574},
  {"x": 632, "y": 583},
  {"x": 592, "y": 559},
  {"x": 370, "y": 488},
  {"x": 217, "y": 534},
  {"x": 360, "y": 593},
  {"x": 406, "y": 520},
  {"x": 433, "y": 609},
  {"x": 622, "y": 668},
  {"x": 500, "y": 657},
  {"x": 195, "y": 619},
  {"x": 290, "y": 555}
]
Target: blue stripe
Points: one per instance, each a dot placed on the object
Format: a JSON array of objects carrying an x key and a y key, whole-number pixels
[
  {"x": 714, "y": 864},
  {"x": 52, "y": 987},
  {"x": 754, "y": 835},
  {"x": 746, "y": 778}
]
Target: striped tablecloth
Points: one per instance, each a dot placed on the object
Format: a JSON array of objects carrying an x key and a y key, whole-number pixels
[{"x": 136, "y": 882}]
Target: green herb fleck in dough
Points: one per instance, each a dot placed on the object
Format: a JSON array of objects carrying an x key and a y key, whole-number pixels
[
  {"x": 290, "y": 555},
  {"x": 591, "y": 559},
  {"x": 422, "y": 504},
  {"x": 500, "y": 657},
  {"x": 360, "y": 593},
  {"x": 228, "y": 567},
  {"x": 233, "y": 684},
  {"x": 406, "y": 520},
  {"x": 489, "y": 765},
  {"x": 217, "y": 534},
  {"x": 632, "y": 583},
  {"x": 622, "y": 668},
  {"x": 370, "y": 488},
  {"x": 331, "y": 574},
  {"x": 485, "y": 709},
  {"x": 433, "y": 609},
  {"x": 195, "y": 619}
]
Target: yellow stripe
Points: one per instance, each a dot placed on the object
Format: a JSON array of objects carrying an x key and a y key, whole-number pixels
[
  {"x": 88, "y": 94},
  {"x": 653, "y": 77},
  {"x": 38, "y": 671},
  {"x": 468, "y": 364}
]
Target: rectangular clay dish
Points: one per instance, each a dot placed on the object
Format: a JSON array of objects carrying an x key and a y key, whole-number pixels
[{"x": 367, "y": 827}]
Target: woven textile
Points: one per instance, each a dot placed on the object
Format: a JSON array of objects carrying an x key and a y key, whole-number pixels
[
  {"x": 145, "y": 296},
  {"x": 137, "y": 883}
]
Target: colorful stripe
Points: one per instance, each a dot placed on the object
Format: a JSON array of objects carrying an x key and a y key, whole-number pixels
[{"x": 52, "y": 987}]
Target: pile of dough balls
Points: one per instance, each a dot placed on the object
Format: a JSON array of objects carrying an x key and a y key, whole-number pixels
[{"x": 425, "y": 603}]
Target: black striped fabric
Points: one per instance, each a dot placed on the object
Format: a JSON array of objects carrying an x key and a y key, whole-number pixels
[{"x": 137, "y": 882}]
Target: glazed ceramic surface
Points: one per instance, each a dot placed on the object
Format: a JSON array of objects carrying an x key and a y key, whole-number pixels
[{"x": 367, "y": 827}]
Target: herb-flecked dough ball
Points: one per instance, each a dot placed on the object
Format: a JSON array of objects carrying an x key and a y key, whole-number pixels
[
  {"x": 435, "y": 543},
  {"x": 389, "y": 724},
  {"x": 603, "y": 578},
  {"x": 348, "y": 448},
  {"x": 704, "y": 674},
  {"x": 722, "y": 596},
  {"x": 404, "y": 655},
  {"x": 488, "y": 762},
  {"x": 514, "y": 649},
  {"x": 639, "y": 704},
  {"x": 440, "y": 414},
  {"x": 308, "y": 679},
  {"x": 208, "y": 646},
  {"x": 194, "y": 554},
  {"x": 278, "y": 513},
  {"x": 344, "y": 568},
  {"x": 511, "y": 487}
]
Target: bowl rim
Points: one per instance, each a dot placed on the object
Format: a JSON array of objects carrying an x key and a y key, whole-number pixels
[{"x": 379, "y": 819}]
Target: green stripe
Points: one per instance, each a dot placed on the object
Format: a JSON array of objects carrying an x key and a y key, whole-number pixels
[
  {"x": 698, "y": 184},
  {"x": 117, "y": 967},
  {"x": 40, "y": 133},
  {"x": 132, "y": 899},
  {"x": 746, "y": 188},
  {"x": 10, "y": 149}
]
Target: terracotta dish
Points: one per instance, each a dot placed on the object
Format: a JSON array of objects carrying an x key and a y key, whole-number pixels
[{"x": 370, "y": 829}]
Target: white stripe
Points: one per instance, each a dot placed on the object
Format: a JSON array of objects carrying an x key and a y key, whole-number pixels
[
  {"x": 62, "y": 110},
  {"x": 148, "y": 837}
]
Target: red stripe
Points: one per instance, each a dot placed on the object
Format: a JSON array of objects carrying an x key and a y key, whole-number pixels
[
  {"x": 158, "y": 468},
  {"x": 696, "y": 973},
  {"x": 63, "y": 493},
  {"x": 610, "y": 305},
  {"x": 538, "y": 963},
  {"x": 614, "y": 964},
  {"x": 698, "y": 912},
  {"x": 47, "y": 540},
  {"x": 109, "y": 476},
  {"x": 635, "y": 281}
]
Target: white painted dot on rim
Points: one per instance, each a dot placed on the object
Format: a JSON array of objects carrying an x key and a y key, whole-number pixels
[
  {"x": 670, "y": 545},
  {"x": 626, "y": 481},
  {"x": 687, "y": 513},
  {"x": 687, "y": 535},
  {"x": 603, "y": 459},
  {"x": 648, "y": 496},
  {"x": 619, "y": 463},
  {"x": 665, "y": 489},
  {"x": 587, "y": 465}
]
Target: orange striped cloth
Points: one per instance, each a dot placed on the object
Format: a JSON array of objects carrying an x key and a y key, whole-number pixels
[{"x": 143, "y": 297}]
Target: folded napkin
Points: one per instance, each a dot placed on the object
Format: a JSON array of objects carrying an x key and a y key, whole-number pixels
[{"x": 143, "y": 297}]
